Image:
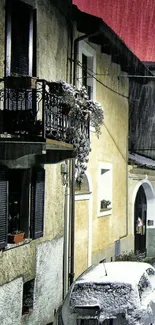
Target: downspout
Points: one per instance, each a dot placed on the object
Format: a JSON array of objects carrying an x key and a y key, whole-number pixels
[
  {"x": 72, "y": 185},
  {"x": 66, "y": 233},
  {"x": 127, "y": 212},
  {"x": 67, "y": 193},
  {"x": 127, "y": 230}
]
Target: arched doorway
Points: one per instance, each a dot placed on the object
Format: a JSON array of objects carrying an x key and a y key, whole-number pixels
[{"x": 140, "y": 217}]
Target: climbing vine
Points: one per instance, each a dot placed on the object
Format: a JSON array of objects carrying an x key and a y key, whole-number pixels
[{"x": 82, "y": 111}]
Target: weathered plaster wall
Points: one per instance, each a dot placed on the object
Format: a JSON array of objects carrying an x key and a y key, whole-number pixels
[
  {"x": 47, "y": 289},
  {"x": 54, "y": 202},
  {"x": 16, "y": 262},
  {"x": 42, "y": 258},
  {"x": 48, "y": 283},
  {"x": 81, "y": 236},
  {"x": 110, "y": 147},
  {"x": 53, "y": 50},
  {"x": 11, "y": 302},
  {"x": 53, "y": 42}
]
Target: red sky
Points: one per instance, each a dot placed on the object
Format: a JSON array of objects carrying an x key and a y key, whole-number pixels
[{"x": 132, "y": 20}]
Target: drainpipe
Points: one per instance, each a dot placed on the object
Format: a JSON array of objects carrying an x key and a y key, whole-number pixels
[
  {"x": 66, "y": 233},
  {"x": 72, "y": 185},
  {"x": 127, "y": 230}
]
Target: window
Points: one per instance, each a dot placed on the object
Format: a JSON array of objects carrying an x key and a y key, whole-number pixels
[
  {"x": 22, "y": 203},
  {"x": 104, "y": 189},
  {"x": 20, "y": 59},
  {"x": 18, "y": 201},
  {"x": 143, "y": 286},
  {"x": 28, "y": 291},
  {"x": 150, "y": 272},
  {"x": 151, "y": 276},
  {"x": 84, "y": 188},
  {"x": 87, "y": 68},
  {"x": 20, "y": 38}
]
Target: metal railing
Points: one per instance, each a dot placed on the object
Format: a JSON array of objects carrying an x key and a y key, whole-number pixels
[{"x": 34, "y": 113}]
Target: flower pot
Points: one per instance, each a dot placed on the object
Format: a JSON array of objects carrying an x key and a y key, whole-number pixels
[{"x": 16, "y": 238}]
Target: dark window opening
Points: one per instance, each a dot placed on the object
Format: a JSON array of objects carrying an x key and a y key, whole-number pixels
[
  {"x": 28, "y": 293},
  {"x": 20, "y": 38},
  {"x": 87, "y": 71},
  {"x": 84, "y": 70},
  {"x": 20, "y": 18},
  {"x": 22, "y": 204},
  {"x": 18, "y": 218}
]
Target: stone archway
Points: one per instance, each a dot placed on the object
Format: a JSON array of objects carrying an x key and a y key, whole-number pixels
[
  {"x": 144, "y": 207},
  {"x": 140, "y": 218}
]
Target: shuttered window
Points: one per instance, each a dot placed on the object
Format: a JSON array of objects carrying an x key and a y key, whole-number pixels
[
  {"x": 20, "y": 38},
  {"x": 3, "y": 207},
  {"x": 10, "y": 192},
  {"x": 37, "y": 202}
]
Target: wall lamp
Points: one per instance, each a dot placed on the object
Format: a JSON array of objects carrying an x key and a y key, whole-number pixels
[{"x": 64, "y": 174}]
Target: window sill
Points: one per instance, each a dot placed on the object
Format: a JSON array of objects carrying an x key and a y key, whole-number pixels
[
  {"x": 105, "y": 213},
  {"x": 24, "y": 242}
]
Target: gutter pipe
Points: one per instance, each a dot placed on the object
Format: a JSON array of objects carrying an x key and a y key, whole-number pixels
[{"x": 127, "y": 230}]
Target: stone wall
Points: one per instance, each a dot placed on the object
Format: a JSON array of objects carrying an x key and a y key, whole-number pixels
[{"x": 47, "y": 296}]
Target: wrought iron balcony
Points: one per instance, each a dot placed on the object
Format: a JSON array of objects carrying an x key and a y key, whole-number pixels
[{"x": 30, "y": 110}]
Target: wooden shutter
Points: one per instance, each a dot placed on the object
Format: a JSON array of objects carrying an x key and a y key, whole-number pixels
[
  {"x": 3, "y": 208},
  {"x": 19, "y": 38},
  {"x": 37, "y": 202}
]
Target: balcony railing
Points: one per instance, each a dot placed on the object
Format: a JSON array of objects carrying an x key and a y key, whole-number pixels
[{"x": 31, "y": 111}]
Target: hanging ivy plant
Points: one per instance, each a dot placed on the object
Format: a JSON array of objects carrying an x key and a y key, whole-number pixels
[{"x": 81, "y": 111}]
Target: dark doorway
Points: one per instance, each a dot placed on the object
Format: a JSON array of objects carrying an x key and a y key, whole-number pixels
[{"x": 140, "y": 216}]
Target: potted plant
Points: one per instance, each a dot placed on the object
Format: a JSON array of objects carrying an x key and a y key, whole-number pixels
[
  {"x": 16, "y": 237},
  {"x": 105, "y": 204}
]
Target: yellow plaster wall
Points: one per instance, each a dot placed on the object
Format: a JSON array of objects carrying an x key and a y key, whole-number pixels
[
  {"x": 110, "y": 147},
  {"x": 81, "y": 236}
]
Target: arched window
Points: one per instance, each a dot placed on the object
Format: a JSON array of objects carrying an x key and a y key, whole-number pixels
[{"x": 84, "y": 188}]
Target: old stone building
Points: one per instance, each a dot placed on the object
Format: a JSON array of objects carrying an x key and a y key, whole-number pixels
[
  {"x": 34, "y": 42},
  {"x": 48, "y": 235}
]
